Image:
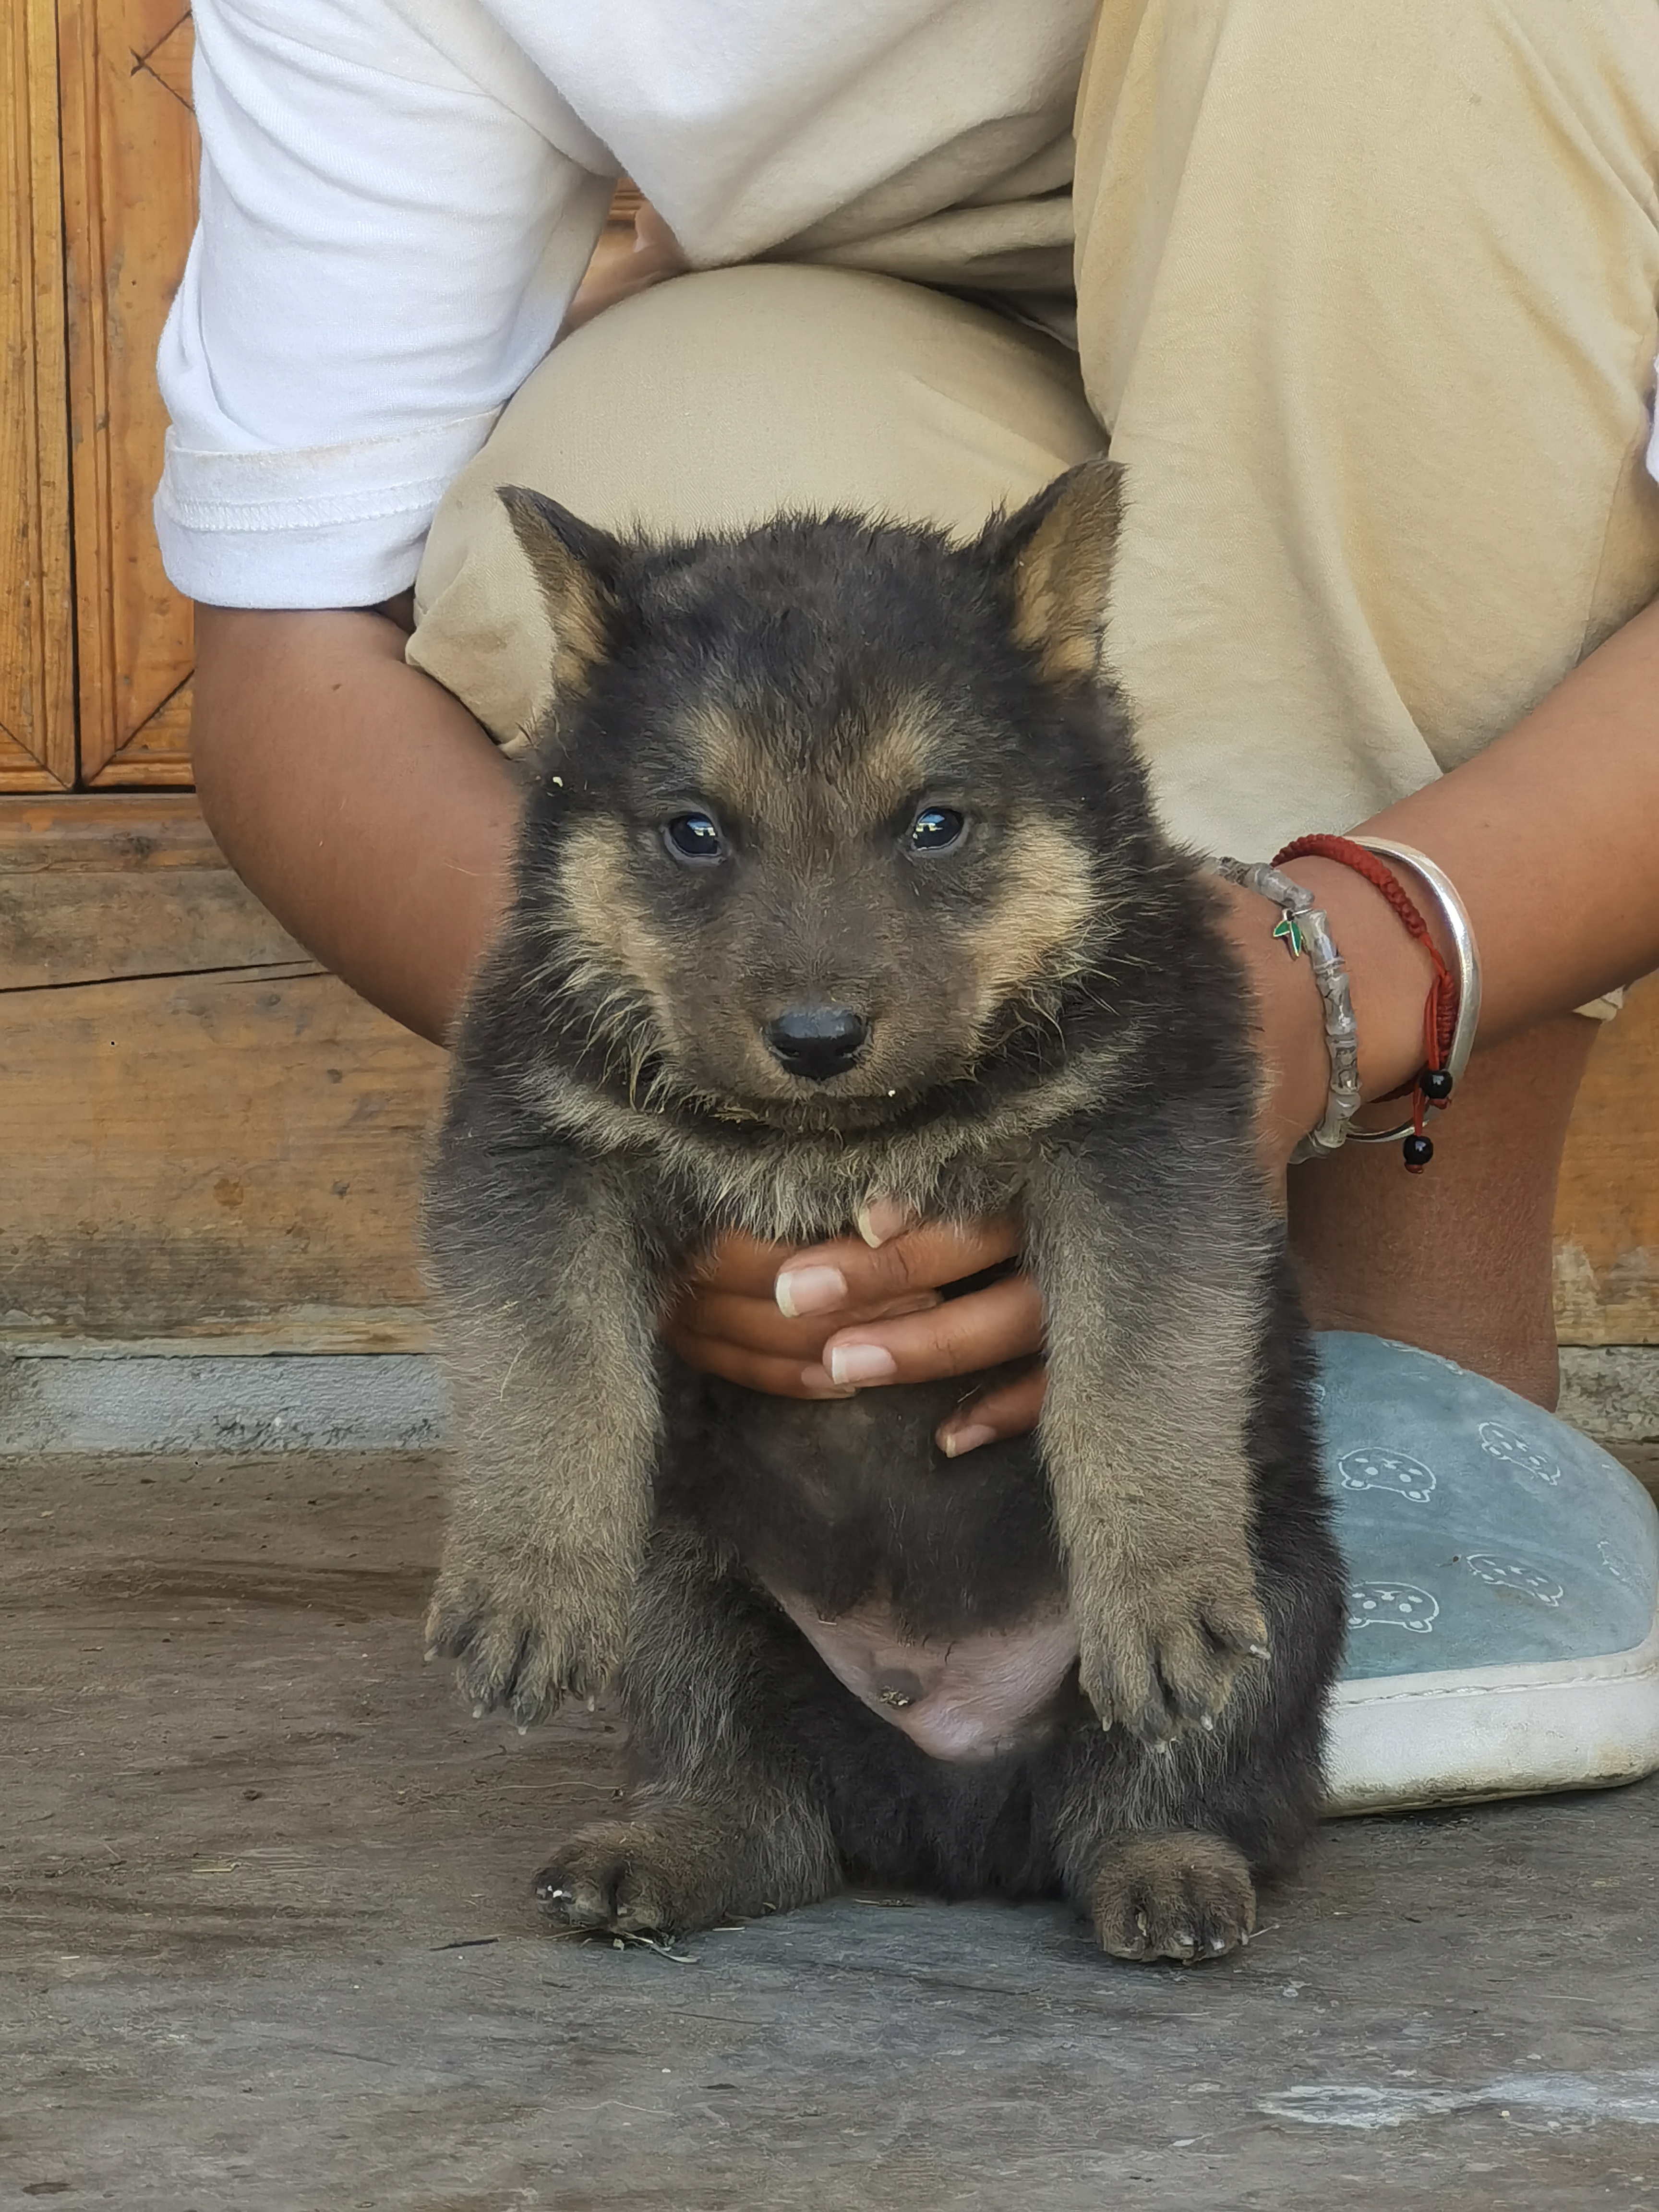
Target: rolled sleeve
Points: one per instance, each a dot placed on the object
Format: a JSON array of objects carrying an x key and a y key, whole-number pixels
[{"x": 387, "y": 244}]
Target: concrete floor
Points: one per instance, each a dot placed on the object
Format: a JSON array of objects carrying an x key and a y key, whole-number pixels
[{"x": 265, "y": 1942}]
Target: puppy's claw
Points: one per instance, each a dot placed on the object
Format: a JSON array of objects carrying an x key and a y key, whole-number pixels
[
  {"x": 523, "y": 1641},
  {"x": 1184, "y": 1896},
  {"x": 1166, "y": 1662}
]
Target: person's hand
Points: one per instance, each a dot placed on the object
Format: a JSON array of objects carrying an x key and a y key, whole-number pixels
[
  {"x": 622, "y": 265},
  {"x": 866, "y": 1311}
]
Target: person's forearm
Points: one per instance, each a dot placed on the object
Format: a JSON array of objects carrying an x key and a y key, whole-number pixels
[
  {"x": 375, "y": 817},
  {"x": 357, "y": 797},
  {"x": 1548, "y": 836}
]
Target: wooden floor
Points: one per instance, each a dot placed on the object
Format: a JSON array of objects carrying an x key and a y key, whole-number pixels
[{"x": 267, "y": 1944}]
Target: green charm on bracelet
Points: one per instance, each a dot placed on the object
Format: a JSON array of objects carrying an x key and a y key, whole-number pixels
[{"x": 1289, "y": 929}]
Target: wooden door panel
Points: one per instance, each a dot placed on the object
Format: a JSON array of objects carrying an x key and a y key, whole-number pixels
[
  {"x": 130, "y": 155},
  {"x": 1606, "y": 1218},
  {"x": 208, "y": 1142},
  {"x": 37, "y": 724}
]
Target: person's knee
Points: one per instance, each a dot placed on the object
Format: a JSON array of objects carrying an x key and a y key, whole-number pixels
[{"x": 713, "y": 400}]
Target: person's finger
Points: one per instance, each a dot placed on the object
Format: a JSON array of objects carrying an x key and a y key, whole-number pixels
[
  {"x": 750, "y": 1324},
  {"x": 1008, "y": 1410},
  {"x": 986, "y": 1328},
  {"x": 755, "y": 1371},
  {"x": 739, "y": 1263},
  {"x": 849, "y": 1274},
  {"x": 757, "y": 1325}
]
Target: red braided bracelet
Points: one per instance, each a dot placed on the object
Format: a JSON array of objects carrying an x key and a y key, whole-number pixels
[{"x": 1432, "y": 1086}]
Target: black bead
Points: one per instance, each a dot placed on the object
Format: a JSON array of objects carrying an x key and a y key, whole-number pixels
[
  {"x": 1418, "y": 1152},
  {"x": 1435, "y": 1086}
]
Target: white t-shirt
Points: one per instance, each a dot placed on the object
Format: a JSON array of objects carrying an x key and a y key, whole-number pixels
[{"x": 400, "y": 198}]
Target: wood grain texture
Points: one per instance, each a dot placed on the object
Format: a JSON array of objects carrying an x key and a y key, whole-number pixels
[
  {"x": 1607, "y": 1219},
  {"x": 37, "y": 725},
  {"x": 208, "y": 1141},
  {"x": 95, "y": 888},
  {"x": 197, "y": 1156},
  {"x": 130, "y": 155}
]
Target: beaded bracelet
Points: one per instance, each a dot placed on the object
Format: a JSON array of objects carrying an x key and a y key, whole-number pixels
[
  {"x": 1302, "y": 927},
  {"x": 1451, "y": 1013}
]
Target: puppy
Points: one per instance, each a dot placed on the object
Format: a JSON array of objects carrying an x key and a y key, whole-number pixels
[{"x": 839, "y": 881}]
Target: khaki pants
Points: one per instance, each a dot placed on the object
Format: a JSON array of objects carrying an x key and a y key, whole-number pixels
[{"x": 1367, "y": 306}]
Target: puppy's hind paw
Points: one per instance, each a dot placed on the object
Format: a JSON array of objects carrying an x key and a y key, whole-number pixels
[
  {"x": 633, "y": 1877},
  {"x": 1181, "y": 1895}
]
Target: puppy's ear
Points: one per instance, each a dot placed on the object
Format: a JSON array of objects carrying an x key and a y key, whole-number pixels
[
  {"x": 1058, "y": 552},
  {"x": 577, "y": 568}
]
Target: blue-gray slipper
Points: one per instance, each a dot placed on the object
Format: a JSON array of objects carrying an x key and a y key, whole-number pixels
[{"x": 1503, "y": 1589}]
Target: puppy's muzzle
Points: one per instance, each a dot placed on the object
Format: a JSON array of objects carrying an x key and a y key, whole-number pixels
[{"x": 816, "y": 1041}]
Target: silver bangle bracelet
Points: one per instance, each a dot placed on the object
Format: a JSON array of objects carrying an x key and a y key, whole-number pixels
[
  {"x": 1303, "y": 929},
  {"x": 1466, "y": 964}
]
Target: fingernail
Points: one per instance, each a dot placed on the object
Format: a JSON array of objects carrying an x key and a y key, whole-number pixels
[
  {"x": 969, "y": 1438},
  {"x": 861, "y": 1362},
  {"x": 810, "y": 1290},
  {"x": 823, "y": 1384},
  {"x": 879, "y": 1219}
]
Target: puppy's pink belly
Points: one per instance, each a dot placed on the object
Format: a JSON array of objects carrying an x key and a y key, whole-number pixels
[{"x": 970, "y": 1699}]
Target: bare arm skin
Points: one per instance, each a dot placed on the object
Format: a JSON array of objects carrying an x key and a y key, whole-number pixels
[
  {"x": 359, "y": 799},
  {"x": 375, "y": 817}
]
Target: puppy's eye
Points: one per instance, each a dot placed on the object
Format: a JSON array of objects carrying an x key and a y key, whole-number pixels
[
  {"x": 693, "y": 837},
  {"x": 936, "y": 829}
]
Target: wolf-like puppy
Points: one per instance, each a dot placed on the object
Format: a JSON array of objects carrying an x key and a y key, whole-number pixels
[{"x": 840, "y": 880}]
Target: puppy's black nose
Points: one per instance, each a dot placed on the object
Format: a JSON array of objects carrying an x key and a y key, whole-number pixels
[{"x": 816, "y": 1041}]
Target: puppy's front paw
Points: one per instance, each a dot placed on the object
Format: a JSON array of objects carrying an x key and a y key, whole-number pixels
[
  {"x": 528, "y": 1637},
  {"x": 1160, "y": 1649}
]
